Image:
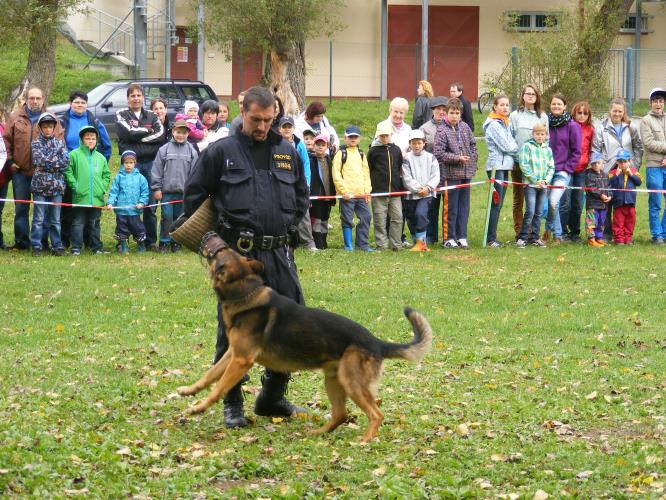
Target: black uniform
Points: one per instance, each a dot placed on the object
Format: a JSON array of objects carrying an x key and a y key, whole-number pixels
[{"x": 260, "y": 194}]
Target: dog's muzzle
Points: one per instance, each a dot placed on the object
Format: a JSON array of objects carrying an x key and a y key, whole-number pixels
[{"x": 212, "y": 244}]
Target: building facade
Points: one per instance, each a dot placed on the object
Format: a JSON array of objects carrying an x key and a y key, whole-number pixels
[{"x": 467, "y": 40}]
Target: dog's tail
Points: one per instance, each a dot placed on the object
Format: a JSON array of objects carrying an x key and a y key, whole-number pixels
[{"x": 419, "y": 346}]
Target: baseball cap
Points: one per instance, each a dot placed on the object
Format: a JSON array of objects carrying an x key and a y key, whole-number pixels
[
  {"x": 127, "y": 154},
  {"x": 180, "y": 124},
  {"x": 657, "y": 92},
  {"x": 438, "y": 101},
  {"x": 308, "y": 130},
  {"x": 321, "y": 137},
  {"x": 596, "y": 156},
  {"x": 352, "y": 130},
  {"x": 416, "y": 134},
  {"x": 623, "y": 154},
  {"x": 384, "y": 128},
  {"x": 47, "y": 117},
  {"x": 286, "y": 120}
]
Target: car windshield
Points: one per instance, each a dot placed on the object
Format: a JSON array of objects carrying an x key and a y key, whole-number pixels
[{"x": 98, "y": 93}]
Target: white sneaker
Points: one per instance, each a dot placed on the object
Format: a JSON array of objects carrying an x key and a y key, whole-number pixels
[
  {"x": 450, "y": 244},
  {"x": 521, "y": 243},
  {"x": 462, "y": 243}
]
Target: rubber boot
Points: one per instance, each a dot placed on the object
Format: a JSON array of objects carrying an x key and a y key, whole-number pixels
[
  {"x": 123, "y": 247},
  {"x": 317, "y": 240},
  {"x": 347, "y": 238},
  {"x": 324, "y": 240},
  {"x": 271, "y": 401},
  {"x": 141, "y": 247},
  {"x": 234, "y": 415}
]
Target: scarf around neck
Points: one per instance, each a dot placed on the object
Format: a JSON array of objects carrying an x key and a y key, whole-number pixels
[
  {"x": 558, "y": 121},
  {"x": 497, "y": 116}
]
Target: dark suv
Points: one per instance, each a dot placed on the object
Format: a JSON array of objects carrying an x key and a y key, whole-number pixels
[{"x": 107, "y": 98}]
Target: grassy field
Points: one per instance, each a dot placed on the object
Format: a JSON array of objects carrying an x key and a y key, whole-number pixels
[
  {"x": 67, "y": 78},
  {"x": 547, "y": 374}
]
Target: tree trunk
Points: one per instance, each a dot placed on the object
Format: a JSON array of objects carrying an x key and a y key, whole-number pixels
[
  {"x": 287, "y": 78},
  {"x": 296, "y": 73},
  {"x": 40, "y": 70}
]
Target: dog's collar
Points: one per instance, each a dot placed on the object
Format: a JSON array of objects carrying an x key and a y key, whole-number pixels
[
  {"x": 212, "y": 244},
  {"x": 244, "y": 298}
]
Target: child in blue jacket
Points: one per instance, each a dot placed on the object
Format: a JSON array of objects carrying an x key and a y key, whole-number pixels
[
  {"x": 624, "y": 176},
  {"x": 128, "y": 195}
]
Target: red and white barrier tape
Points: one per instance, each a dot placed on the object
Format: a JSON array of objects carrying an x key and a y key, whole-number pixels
[
  {"x": 582, "y": 188},
  {"x": 373, "y": 195}
]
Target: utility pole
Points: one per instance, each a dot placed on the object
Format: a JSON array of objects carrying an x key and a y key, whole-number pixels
[{"x": 140, "y": 38}]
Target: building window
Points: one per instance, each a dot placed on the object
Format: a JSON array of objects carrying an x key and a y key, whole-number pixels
[
  {"x": 531, "y": 21},
  {"x": 629, "y": 25}
]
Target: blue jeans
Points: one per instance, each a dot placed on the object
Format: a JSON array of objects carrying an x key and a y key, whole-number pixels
[
  {"x": 170, "y": 213},
  {"x": 656, "y": 179},
  {"x": 46, "y": 219},
  {"x": 571, "y": 205},
  {"x": 360, "y": 207},
  {"x": 534, "y": 199},
  {"x": 21, "y": 187},
  {"x": 3, "y": 194},
  {"x": 553, "y": 223},
  {"x": 496, "y": 203},
  {"x": 416, "y": 213},
  {"x": 149, "y": 217},
  {"x": 88, "y": 218}
]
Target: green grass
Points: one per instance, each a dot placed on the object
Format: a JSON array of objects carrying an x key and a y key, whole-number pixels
[
  {"x": 67, "y": 78},
  {"x": 546, "y": 364}
]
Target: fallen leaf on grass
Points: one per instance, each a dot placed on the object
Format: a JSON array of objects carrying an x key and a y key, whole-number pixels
[
  {"x": 511, "y": 458},
  {"x": 124, "y": 451},
  {"x": 462, "y": 430},
  {"x": 540, "y": 495},
  {"x": 249, "y": 438},
  {"x": 581, "y": 476},
  {"x": 484, "y": 484},
  {"x": 591, "y": 396},
  {"x": 83, "y": 491},
  {"x": 379, "y": 471}
]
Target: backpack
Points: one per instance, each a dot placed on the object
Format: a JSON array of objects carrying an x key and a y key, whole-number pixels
[{"x": 343, "y": 159}]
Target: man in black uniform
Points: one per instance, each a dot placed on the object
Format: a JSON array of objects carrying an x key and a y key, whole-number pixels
[{"x": 259, "y": 190}]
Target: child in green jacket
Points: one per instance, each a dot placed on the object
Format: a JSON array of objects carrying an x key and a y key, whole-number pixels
[{"x": 88, "y": 176}]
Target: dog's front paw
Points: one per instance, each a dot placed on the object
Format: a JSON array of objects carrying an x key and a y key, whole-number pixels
[
  {"x": 186, "y": 390},
  {"x": 193, "y": 410}
]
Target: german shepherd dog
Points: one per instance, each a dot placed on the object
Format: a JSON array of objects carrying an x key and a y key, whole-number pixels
[{"x": 267, "y": 328}]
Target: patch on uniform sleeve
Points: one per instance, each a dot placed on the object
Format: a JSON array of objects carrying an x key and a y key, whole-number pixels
[{"x": 282, "y": 161}]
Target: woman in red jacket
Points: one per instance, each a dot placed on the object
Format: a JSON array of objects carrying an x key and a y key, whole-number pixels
[{"x": 571, "y": 204}]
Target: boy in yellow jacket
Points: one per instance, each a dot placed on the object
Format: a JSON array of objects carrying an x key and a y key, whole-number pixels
[{"x": 351, "y": 177}]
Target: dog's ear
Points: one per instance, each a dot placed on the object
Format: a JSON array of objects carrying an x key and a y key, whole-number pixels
[{"x": 256, "y": 266}]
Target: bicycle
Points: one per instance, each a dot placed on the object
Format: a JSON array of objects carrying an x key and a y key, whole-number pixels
[{"x": 485, "y": 100}]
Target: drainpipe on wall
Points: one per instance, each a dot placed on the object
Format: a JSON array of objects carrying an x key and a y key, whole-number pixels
[
  {"x": 424, "y": 40},
  {"x": 384, "y": 52}
]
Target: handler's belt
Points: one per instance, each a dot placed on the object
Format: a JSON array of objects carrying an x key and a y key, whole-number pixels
[{"x": 246, "y": 240}]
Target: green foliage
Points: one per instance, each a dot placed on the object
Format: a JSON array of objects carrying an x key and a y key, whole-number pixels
[
  {"x": 269, "y": 25},
  {"x": 570, "y": 58}
]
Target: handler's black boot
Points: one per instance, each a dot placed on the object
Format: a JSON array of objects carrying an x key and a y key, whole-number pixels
[
  {"x": 271, "y": 401},
  {"x": 234, "y": 415}
]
